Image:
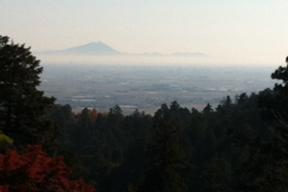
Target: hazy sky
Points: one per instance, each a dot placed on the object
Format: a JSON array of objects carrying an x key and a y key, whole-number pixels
[{"x": 230, "y": 31}]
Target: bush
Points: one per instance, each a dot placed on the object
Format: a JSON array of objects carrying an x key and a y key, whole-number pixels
[{"x": 35, "y": 171}]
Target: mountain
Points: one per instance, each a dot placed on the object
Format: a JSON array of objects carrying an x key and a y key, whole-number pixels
[
  {"x": 196, "y": 54},
  {"x": 93, "y": 48},
  {"x": 99, "y": 48},
  {"x": 189, "y": 55}
]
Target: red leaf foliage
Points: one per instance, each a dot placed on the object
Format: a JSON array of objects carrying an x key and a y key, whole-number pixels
[{"x": 35, "y": 171}]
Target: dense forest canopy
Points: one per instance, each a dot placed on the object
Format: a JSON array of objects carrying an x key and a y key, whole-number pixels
[{"x": 240, "y": 145}]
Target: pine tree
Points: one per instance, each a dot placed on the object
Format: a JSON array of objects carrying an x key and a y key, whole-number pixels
[
  {"x": 22, "y": 106},
  {"x": 268, "y": 163},
  {"x": 168, "y": 160}
]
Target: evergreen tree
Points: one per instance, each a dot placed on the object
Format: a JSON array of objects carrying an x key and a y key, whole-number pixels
[
  {"x": 22, "y": 107},
  {"x": 276, "y": 102},
  {"x": 208, "y": 110},
  {"x": 267, "y": 165},
  {"x": 167, "y": 160}
]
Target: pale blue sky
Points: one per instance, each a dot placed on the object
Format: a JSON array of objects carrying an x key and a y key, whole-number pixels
[{"x": 242, "y": 31}]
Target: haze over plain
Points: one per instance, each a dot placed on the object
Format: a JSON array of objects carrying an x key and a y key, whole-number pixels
[{"x": 230, "y": 32}]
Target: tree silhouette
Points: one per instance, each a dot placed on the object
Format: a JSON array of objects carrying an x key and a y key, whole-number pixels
[
  {"x": 22, "y": 106},
  {"x": 168, "y": 160}
]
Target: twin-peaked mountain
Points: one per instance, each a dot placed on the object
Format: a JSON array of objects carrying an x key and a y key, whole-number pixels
[{"x": 99, "y": 48}]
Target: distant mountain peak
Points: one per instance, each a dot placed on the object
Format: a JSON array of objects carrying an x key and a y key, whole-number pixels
[
  {"x": 99, "y": 48},
  {"x": 92, "y": 48},
  {"x": 95, "y": 43}
]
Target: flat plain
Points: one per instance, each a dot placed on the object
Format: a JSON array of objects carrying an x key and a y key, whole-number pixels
[{"x": 147, "y": 87}]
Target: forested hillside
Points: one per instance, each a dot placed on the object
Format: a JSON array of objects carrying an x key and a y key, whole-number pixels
[
  {"x": 241, "y": 145},
  {"x": 209, "y": 148},
  {"x": 238, "y": 146}
]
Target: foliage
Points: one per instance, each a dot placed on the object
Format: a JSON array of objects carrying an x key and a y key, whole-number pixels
[
  {"x": 5, "y": 142},
  {"x": 4, "y": 139},
  {"x": 168, "y": 160},
  {"x": 35, "y": 171},
  {"x": 22, "y": 107}
]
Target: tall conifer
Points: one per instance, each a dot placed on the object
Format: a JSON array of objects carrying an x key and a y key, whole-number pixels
[{"x": 22, "y": 106}]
